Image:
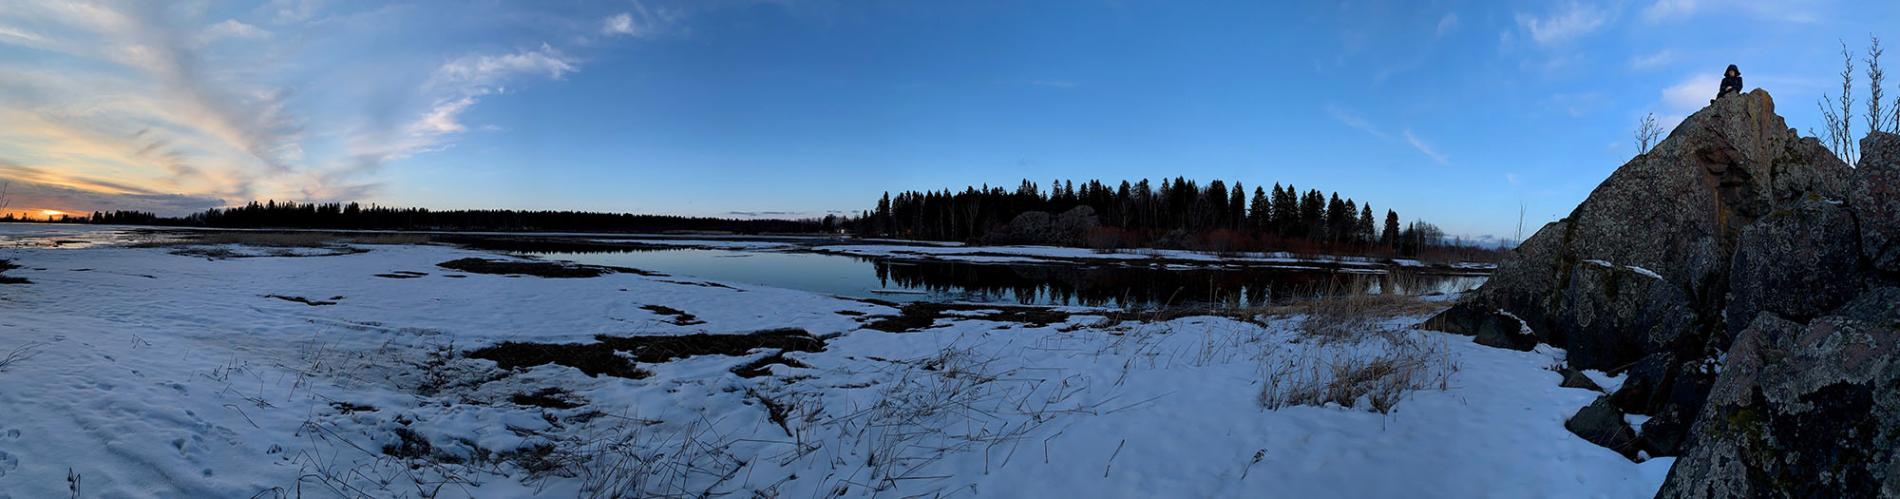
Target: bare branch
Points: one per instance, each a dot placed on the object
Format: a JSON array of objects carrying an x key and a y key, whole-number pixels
[
  {"x": 1647, "y": 131},
  {"x": 1838, "y": 116},
  {"x": 1876, "y": 79}
]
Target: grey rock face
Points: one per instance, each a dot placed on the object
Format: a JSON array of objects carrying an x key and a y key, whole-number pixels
[
  {"x": 1488, "y": 327},
  {"x": 1642, "y": 265},
  {"x": 1602, "y": 424},
  {"x": 1803, "y": 411},
  {"x": 1875, "y": 197},
  {"x": 1797, "y": 262}
]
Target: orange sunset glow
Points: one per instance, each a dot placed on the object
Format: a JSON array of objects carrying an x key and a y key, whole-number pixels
[{"x": 35, "y": 213}]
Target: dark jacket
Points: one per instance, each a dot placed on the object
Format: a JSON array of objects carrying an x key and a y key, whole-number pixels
[{"x": 1730, "y": 84}]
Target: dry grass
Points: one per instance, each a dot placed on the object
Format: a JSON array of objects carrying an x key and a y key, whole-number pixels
[
  {"x": 1352, "y": 317},
  {"x": 1359, "y": 355},
  {"x": 19, "y": 354},
  {"x": 1380, "y": 379}
]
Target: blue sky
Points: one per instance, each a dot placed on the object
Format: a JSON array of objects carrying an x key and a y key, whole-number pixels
[{"x": 1454, "y": 112}]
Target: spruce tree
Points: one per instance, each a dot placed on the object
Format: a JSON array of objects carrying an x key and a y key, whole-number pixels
[{"x": 1391, "y": 236}]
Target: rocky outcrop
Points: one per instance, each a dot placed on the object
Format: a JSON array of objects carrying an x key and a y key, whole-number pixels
[
  {"x": 1642, "y": 265},
  {"x": 1803, "y": 410},
  {"x": 1747, "y": 284},
  {"x": 1876, "y": 200},
  {"x": 1797, "y": 262},
  {"x": 1808, "y": 402}
]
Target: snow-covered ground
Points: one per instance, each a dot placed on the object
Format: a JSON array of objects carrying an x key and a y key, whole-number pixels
[{"x": 153, "y": 374}]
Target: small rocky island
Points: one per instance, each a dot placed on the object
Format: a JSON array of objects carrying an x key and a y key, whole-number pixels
[{"x": 1746, "y": 282}]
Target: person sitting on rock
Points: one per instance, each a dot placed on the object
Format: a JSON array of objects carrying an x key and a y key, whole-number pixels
[{"x": 1731, "y": 82}]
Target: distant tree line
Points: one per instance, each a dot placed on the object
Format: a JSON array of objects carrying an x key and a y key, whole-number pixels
[
  {"x": 1180, "y": 213},
  {"x": 293, "y": 215}
]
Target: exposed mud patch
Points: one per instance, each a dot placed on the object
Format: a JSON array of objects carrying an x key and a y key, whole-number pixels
[
  {"x": 299, "y": 299},
  {"x": 6, "y": 265},
  {"x": 680, "y": 317},
  {"x": 919, "y": 316},
  {"x": 550, "y": 398},
  {"x": 615, "y": 355},
  {"x": 403, "y": 274},
  {"x": 349, "y": 408},
  {"x": 534, "y": 268},
  {"x": 762, "y": 367},
  {"x": 703, "y": 284}
]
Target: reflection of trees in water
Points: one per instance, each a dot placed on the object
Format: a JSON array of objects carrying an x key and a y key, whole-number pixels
[{"x": 1096, "y": 285}]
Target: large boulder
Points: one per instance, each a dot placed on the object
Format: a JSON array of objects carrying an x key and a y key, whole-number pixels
[
  {"x": 1488, "y": 327},
  {"x": 1731, "y": 217},
  {"x": 1876, "y": 200},
  {"x": 1803, "y": 410},
  {"x": 1642, "y": 265},
  {"x": 1797, "y": 262}
]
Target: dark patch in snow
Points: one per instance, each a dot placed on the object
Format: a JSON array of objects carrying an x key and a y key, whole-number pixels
[
  {"x": 918, "y": 316},
  {"x": 604, "y": 356},
  {"x": 306, "y": 301},
  {"x": 680, "y": 317},
  {"x": 550, "y": 398},
  {"x": 703, "y": 284},
  {"x": 350, "y": 408},
  {"x": 403, "y": 274},
  {"x": 762, "y": 367},
  {"x": 6, "y": 265}
]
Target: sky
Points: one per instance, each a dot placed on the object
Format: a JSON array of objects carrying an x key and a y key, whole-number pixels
[{"x": 1460, "y": 113}]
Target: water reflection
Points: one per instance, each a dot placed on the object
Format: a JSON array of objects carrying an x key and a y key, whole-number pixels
[
  {"x": 1116, "y": 285},
  {"x": 75, "y": 236},
  {"x": 1030, "y": 284}
]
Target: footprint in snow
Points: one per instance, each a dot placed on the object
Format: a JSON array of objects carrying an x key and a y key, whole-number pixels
[{"x": 8, "y": 463}]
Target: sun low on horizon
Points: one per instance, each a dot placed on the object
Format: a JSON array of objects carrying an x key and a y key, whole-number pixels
[{"x": 36, "y": 214}]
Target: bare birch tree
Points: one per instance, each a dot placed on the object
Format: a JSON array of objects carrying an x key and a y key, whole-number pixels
[{"x": 1838, "y": 117}]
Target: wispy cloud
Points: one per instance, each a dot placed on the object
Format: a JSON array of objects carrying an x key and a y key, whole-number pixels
[
  {"x": 28, "y": 195},
  {"x": 291, "y": 11},
  {"x": 1574, "y": 21},
  {"x": 1665, "y": 9},
  {"x": 231, "y": 29},
  {"x": 642, "y": 22},
  {"x": 442, "y": 119},
  {"x": 148, "y": 100},
  {"x": 478, "y": 70},
  {"x": 1425, "y": 148},
  {"x": 455, "y": 87},
  {"x": 1653, "y": 60},
  {"x": 1692, "y": 93},
  {"x": 1354, "y": 121},
  {"x": 1792, "y": 11},
  {"x": 1446, "y": 25}
]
